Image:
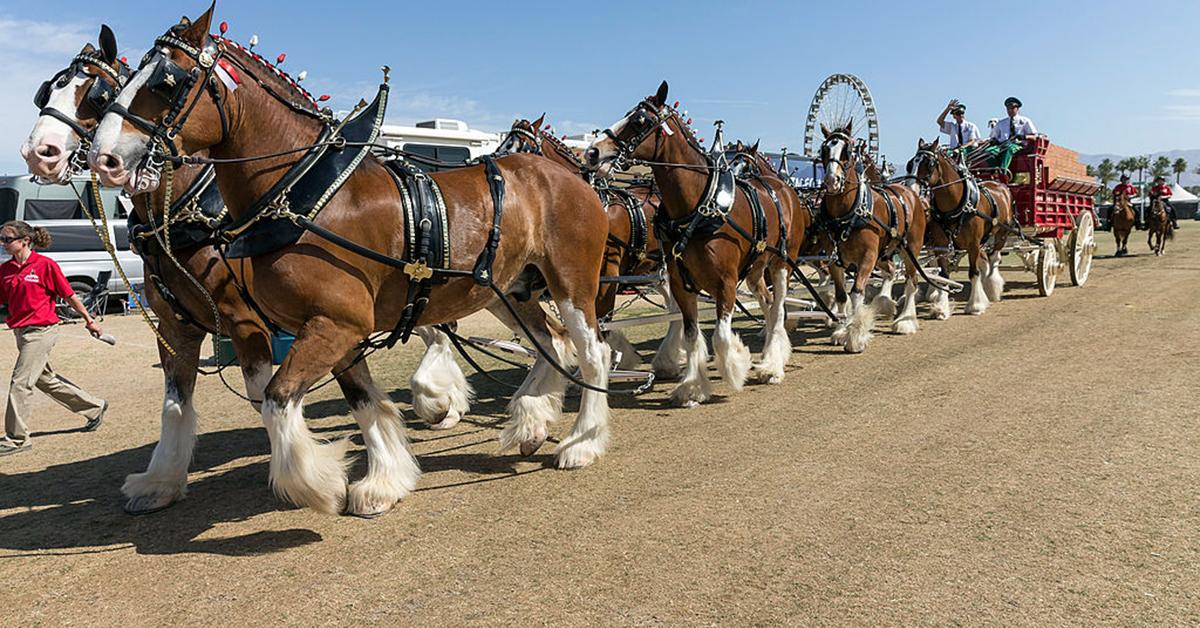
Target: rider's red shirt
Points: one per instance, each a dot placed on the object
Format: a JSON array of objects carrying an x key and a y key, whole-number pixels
[
  {"x": 1125, "y": 188},
  {"x": 1163, "y": 190},
  {"x": 29, "y": 290}
]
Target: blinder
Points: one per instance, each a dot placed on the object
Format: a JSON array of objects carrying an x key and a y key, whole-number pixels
[{"x": 169, "y": 81}]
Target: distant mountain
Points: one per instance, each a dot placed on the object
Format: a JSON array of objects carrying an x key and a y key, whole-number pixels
[{"x": 1188, "y": 178}]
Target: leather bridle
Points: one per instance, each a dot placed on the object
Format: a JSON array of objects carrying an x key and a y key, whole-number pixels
[{"x": 99, "y": 96}]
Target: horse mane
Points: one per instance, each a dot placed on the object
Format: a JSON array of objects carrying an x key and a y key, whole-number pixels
[
  {"x": 561, "y": 148},
  {"x": 275, "y": 78}
]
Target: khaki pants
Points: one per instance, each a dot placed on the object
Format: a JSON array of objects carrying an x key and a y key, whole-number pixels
[{"x": 33, "y": 369}]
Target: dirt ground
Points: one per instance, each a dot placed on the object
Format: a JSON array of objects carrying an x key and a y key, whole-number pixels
[{"x": 1036, "y": 465}]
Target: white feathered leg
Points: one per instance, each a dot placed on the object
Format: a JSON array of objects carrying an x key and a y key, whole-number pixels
[
  {"x": 883, "y": 303},
  {"x": 993, "y": 283},
  {"x": 978, "y": 301},
  {"x": 778, "y": 347},
  {"x": 392, "y": 471},
  {"x": 906, "y": 322},
  {"x": 588, "y": 439},
  {"x": 165, "y": 479},
  {"x": 671, "y": 353},
  {"x": 694, "y": 388},
  {"x": 440, "y": 392},
  {"x": 939, "y": 306},
  {"x": 629, "y": 356},
  {"x": 304, "y": 471},
  {"x": 537, "y": 403},
  {"x": 733, "y": 358},
  {"x": 862, "y": 320}
]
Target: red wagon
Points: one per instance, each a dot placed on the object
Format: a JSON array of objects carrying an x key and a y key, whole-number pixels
[{"x": 1054, "y": 201}]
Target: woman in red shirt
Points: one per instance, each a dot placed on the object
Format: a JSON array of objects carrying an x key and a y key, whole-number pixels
[{"x": 29, "y": 282}]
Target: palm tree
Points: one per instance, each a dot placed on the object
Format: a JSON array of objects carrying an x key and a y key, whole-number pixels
[
  {"x": 1105, "y": 172},
  {"x": 1142, "y": 164},
  {"x": 1162, "y": 166},
  {"x": 1179, "y": 167},
  {"x": 1127, "y": 165}
]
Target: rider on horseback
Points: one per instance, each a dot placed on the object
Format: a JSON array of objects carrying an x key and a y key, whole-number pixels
[
  {"x": 1130, "y": 192},
  {"x": 1162, "y": 192}
]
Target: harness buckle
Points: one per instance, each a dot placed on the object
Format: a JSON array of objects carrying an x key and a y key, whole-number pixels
[{"x": 418, "y": 270}]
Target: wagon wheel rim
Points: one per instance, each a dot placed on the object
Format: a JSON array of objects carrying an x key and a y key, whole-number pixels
[
  {"x": 1047, "y": 269},
  {"x": 839, "y": 99},
  {"x": 1083, "y": 245}
]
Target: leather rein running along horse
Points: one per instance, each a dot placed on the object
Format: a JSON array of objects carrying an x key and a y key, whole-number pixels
[
  {"x": 296, "y": 188},
  {"x": 715, "y": 204}
]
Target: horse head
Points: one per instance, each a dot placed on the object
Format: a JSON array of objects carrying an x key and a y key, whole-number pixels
[
  {"x": 170, "y": 104},
  {"x": 838, "y": 156},
  {"x": 629, "y": 137},
  {"x": 926, "y": 165},
  {"x": 70, "y": 106},
  {"x": 524, "y": 137}
]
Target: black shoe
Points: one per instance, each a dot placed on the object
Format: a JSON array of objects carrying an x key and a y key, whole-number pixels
[
  {"x": 8, "y": 448},
  {"x": 92, "y": 424}
]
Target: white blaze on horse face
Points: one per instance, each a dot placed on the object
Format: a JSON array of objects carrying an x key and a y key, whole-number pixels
[
  {"x": 111, "y": 136},
  {"x": 606, "y": 148},
  {"x": 49, "y": 129},
  {"x": 834, "y": 175}
]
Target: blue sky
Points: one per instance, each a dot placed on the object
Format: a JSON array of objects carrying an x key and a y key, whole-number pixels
[{"x": 1099, "y": 76}]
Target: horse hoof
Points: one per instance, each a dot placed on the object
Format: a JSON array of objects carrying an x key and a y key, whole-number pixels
[
  {"x": 529, "y": 448},
  {"x": 372, "y": 511},
  {"x": 147, "y": 504},
  {"x": 449, "y": 420}
]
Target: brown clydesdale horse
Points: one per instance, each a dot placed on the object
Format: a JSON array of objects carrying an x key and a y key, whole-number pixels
[
  {"x": 1122, "y": 220},
  {"x": 968, "y": 214},
  {"x": 621, "y": 255},
  {"x": 332, "y": 298},
  {"x": 713, "y": 256},
  {"x": 866, "y": 225},
  {"x": 755, "y": 167},
  {"x": 1158, "y": 226},
  {"x": 185, "y": 312},
  {"x": 47, "y": 153}
]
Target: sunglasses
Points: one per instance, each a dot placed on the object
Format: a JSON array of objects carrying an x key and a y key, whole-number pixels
[{"x": 7, "y": 239}]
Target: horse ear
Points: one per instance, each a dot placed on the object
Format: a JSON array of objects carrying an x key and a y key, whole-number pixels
[
  {"x": 936, "y": 142},
  {"x": 197, "y": 32},
  {"x": 825, "y": 130},
  {"x": 660, "y": 98},
  {"x": 537, "y": 124},
  {"x": 920, "y": 143},
  {"x": 108, "y": 43},
  {"x": 754, "y": 149},
  {"x": 87, "y": 48},
  {"x": 740, "y": 147},
  {"x": 850, "y": 127}
]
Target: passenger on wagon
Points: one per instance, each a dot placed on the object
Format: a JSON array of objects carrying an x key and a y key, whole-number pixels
[
  {"x": 1162, "y": 191},
  {"x": 1130, "y": 192},
  {"x": 1009, "y": 131},
  {"x": 963, "y": 133}
]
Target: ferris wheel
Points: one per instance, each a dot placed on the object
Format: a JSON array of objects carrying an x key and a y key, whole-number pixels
[{"x": 842, "y": 99}]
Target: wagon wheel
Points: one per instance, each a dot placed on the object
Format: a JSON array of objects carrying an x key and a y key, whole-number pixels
[
  {"x": 1081, "y": 246},
  {"x": 841, "y": 99},
  {"x": 1047, "y": 268}
]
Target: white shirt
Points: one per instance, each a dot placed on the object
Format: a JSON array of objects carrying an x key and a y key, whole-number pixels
[
  {"x": 970, "y": 132},
  {"x": 1003, "y": 129}
]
